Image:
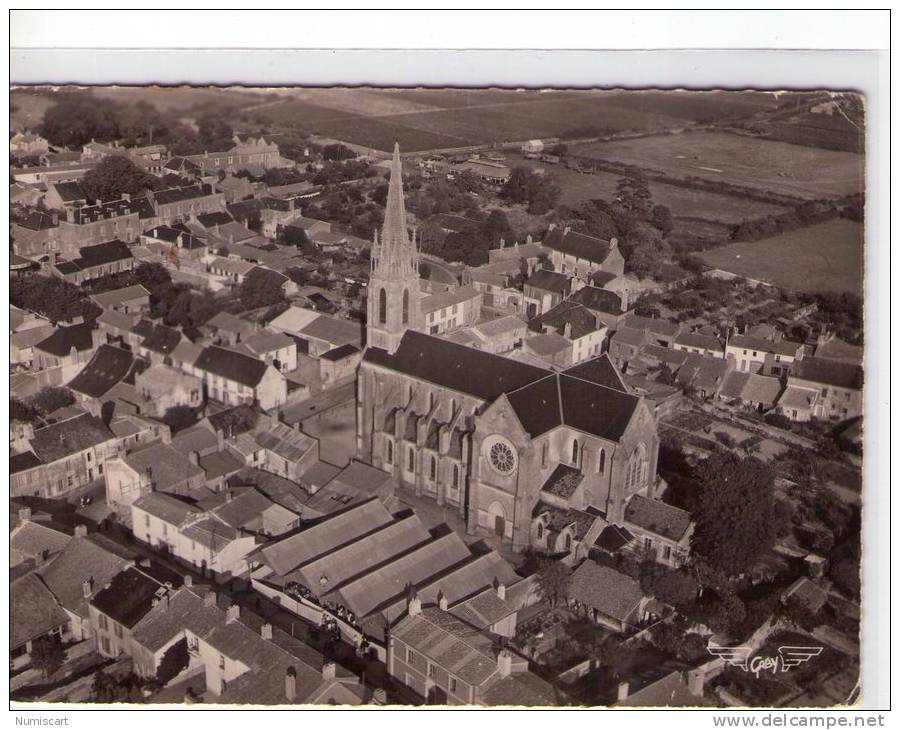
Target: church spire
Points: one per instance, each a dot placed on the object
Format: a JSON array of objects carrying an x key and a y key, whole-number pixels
[
  {"x": 394, "y": 294},
  {"x": 395, "y": 254}
]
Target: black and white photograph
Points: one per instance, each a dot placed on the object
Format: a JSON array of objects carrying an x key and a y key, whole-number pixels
[{"x": 438, "y": 395}]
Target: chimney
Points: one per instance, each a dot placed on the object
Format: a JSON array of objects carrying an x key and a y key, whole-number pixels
[
  {"x": 624, "y": 297},
  {"x": 87, "y": 587},
  {"x": 194, "y": 458},
  {"x": 70, "y": 215},
  {"x": 442, "y": 601},
  {"x": 25, "y": 514},
  {"x": 551, "y": 227},
  {"x": 266, "y": 631},
  {"x": 623, "y": 692},
  {"x": 567, "y": 331},
  {"x": 188, "y": 581},
  {"x": 613, "y": 244},
  {"x": 501, "y": 591},
  {"x": 81, "y": 531},
  {"x": 566, "y": 230},
  {"x": 329, "y": 671},
  {"x": 126, "y": 197},
  {"x": 502, "y": 243},
  {"x": 504, "y": 663},
  {"x": 415, "y": 604},
  {"x": 227, "y": 495},
  {"x": 529, "y": 240},
  {"x": 290, "y": 684},
  {"x": 220, "y": 439},
  {"x": 54, "y": 218},
  {"x": 209, "y": 600},
  {"x": 233, "y": 613}
]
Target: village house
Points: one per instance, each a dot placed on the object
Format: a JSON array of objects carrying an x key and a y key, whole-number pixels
[
  {"x": 128, "y": 300},
  {"x": 234, "y": 188},
  {"x": 699, "y": 343},
  {"x": 35, "y": 235},
  {"x": 177, "y": 205},
  {"x": 155, "y": 468},
  {"x": 68, "y": 348},
  {"x": 759, "y": 392},
  {"x": 175, "y": 243},
  {"x": 27, "y": 144},
  {"x": 63, "y": 195},
  {"x": 34, "y": 616},
  {"x": 799, "y": 403},
  {"x": 551, "y": 349},
  {"x": 109, "y": 366},
  {"x": 32, "y": 543},
  {"x": 608, "y": 597},
  {"x": 492, "y": 173},
  {"x": 767, "y": 357},
  {"x": 118, "y": 219},
  {"x": 497, "y": 336},
  {"x": 608, "y": 307},
  {"x": 82, "y": 569},
  {"x": 232, "y": 378},
  {"x": 275, "y": 348},
  {"x": 839, "y": 384},
  {"x": 191, "y": 534},
  {"x": 252, "y": 154},
  {"x": 544, "y": 289},
  {"x": 57, "y": 172},
  {"x": 576, "y": 324},
  {"x": 450, "y": 310},
  {"x": 228, "y": 329},
  {"x": 117, "y": 608},
  {"x": 581, "y": 255},
  {"x": 92, "y": 262},
  {"x": 162, "y": 387},
  {"x": 244, "y": 659},
  {"x": 445, "y": 660}
]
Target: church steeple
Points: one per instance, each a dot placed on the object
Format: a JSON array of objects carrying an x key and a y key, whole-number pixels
[{"x": 394, "y": 296}]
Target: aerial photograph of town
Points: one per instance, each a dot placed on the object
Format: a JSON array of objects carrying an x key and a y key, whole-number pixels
[{"x": 436, "y": 396}]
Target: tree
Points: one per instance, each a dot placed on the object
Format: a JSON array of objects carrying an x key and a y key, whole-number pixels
[
  {"x": 337, "y": 152},
  {"x": 661, "y": 218},
  {"x": 56, "y": 299},
  {"x": 633, "y": 194},
  {"x": 215, "y": 133},
  {"x": 79, "y": 119},
  {"x": 50, "y": 399},
  {"x": 496, "y": 227},
  {"x": 108, "y": 688},
  {"x": 48, "y": 655},
  {"x": 115, "y": 175},
  {"x": 736, "y": 513},
  {"x": 553, "y": 579},
  {"x": 257, "y": 290},
  {"x": 22, "y": 411}
]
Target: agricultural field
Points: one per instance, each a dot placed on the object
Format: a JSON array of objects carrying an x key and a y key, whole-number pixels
[
  {"x": 180, "y": 98},
  {"x": 824, "y": 257},
  {"x": 805, "y": 172},
  {"x": 683, "y": 202},
  {"x": 423, "y": 119}
]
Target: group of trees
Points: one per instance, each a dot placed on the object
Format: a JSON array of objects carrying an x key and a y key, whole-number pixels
[
  {"x": 116, "y": 174},
  {"x": 470, "y": 245},
  {"x": 540, "y": 193},
  {"x": 257, "y": 290},
  {"x": 52, "y": 297}
]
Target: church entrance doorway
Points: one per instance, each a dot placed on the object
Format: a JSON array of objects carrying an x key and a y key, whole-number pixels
[{"x": 499, "y": 526}]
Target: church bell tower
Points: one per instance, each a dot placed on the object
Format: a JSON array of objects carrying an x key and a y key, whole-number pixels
[{"x": 394, "y": 297}]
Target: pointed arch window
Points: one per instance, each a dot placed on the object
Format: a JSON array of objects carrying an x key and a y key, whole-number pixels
[
  {"x": 601, "y": 461},
  {"x": 575, "y": 452},
  {"x": 382, "y": 306},
  {"x": 432, "y": 469},
  {"x": 405, "y": 306},
  {"x": 411, "y": 459},
  {"x": 544, "y": 453},
  {"x": 389, "y": 452},
  {"x": 455, "y": 476}
]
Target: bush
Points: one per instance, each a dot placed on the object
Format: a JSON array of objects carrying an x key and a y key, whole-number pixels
[
  {"x": 724, "y": 438},
  {"x": 778, "y": 420}
]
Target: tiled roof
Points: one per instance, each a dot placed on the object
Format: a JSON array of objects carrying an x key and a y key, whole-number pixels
[
  {"x": 59, "y": 440},
  {"x": 657, "y": 517},
  {"x": 782, "y": 347},
  {"x": 549, "y": 281},
  {"x": 167, "y": 507},
  {"x": 333, "y": 330},
  {"x": 693, "y": 339},
  {"x": 455, "y": 367},
  {"x": 30, "y": 539},
  {"x": 189, "y": 192},
  {"x": 98, "y": 255},
  {"x": 548, "y": 345},
  {"x": 630, "y": 336},
  {"x": 91, "y": 559},
  {"x": 232, "y": 366},
  {"x": 797, "y": 397},
  {"x": 609, "y": 591},
  {"x": 162, "y": 339},
  {"x": 448, "y": 298},
  {"x": 450, "y": 643},
  {"x": 599, "y": 370},
  {"x": 108, "y": 366},
  {"x": 339, "y": 353},
  {"x": 69, "y": 191},
  {"x": 129, "y": 596},
  {"x": 228, "y": 322},
  {"x": 578, "y": 318},
  {"x": 652, "y": 324},
  {"x": 167, "y": 465},
  {"x": 23, "y": 462},
  {"x": 33, "y": 611},
  {"x": 829, "y": 372},
  {"x": 562, "y": 399},
  {"x": 64, "y": 339},
  {"x": 521, "y": 689},
  {"x": 668, "y": 691},
  {"x": 577, "y": 244},
  {"x": 117, "y": 297}
]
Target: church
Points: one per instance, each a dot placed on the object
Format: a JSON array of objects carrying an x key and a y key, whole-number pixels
[{"x": 544, "y": 459}]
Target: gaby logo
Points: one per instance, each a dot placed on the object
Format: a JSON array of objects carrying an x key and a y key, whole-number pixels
[{"x": 787, "y": 658}]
